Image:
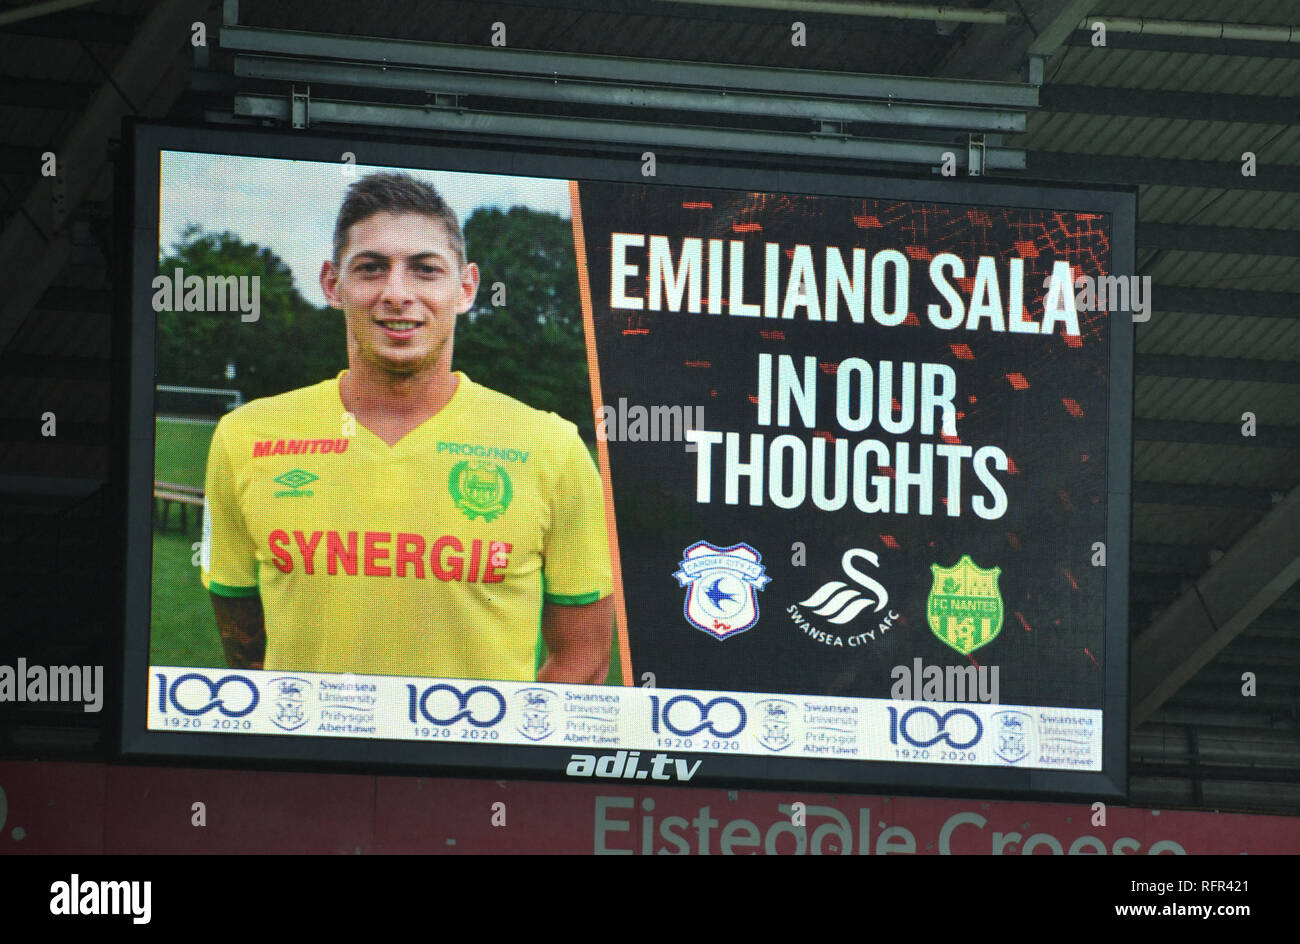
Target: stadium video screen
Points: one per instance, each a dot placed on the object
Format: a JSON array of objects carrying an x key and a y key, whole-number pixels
[{"x": 476, "y": 460}]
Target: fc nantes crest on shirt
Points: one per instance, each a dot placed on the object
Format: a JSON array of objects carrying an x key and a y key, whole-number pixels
[
  {"x": 430, "y": 557},
  {"x": 965, "y": 605}
]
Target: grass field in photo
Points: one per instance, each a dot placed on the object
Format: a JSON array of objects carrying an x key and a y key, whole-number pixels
[{"x": 184, "y": 630}]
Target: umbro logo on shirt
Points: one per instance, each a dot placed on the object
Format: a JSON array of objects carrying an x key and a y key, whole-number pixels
[{"x": 293, "y": 481}]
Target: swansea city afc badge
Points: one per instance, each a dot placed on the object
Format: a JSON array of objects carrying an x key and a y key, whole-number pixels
[
  {"x": 965, "y": 605},
  {"x": 722, "y": 587}
]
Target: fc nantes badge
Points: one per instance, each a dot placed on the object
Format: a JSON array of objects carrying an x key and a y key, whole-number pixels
[
  {"x": 965, "y": 605},
  {"x": 480, "y": 489}
]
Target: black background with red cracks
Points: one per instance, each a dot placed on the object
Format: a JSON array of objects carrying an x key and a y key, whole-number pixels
[{"x": 1041, "y": 398}]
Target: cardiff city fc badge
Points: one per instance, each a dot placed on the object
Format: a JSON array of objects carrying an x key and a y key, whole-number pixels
[
  {"x": 480, "y": 489},
  {"x": 965, "y": 605},
  {"x": 723, "y": 585}
]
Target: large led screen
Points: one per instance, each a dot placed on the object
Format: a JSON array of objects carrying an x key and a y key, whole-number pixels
[{"x": 481, "y": 460}]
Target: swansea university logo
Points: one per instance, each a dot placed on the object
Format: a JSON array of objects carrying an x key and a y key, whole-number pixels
[
  {"x": 723, "y": 585},
  {"x": 480, "y": 489},
  {"x": 292, "y": 702},
  {"x": 965, "y": 605},
  {"x": 1013, "y": 730}
]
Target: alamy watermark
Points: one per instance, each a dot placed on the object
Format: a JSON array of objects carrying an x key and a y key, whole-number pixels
[
  {"x": 636, "y": 423},
  {"x": 181, "y": 292},
  {"x": 1112, "y": 293},
  {"x": 955, "y": 683},
  {"x": 80, "y": 897},
  {"x": 70, "y": 683}
]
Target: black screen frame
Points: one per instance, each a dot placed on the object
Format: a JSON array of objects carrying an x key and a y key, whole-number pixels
[{"x": 143, "y": 141}]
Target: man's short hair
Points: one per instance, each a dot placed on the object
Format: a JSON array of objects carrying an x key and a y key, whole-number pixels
[{"x": 394, "y": 193}]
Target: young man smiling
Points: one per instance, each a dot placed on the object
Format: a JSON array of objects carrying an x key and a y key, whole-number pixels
[{"x": 400, "y": 519}]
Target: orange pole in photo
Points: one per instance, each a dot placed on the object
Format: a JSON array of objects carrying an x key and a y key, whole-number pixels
[{"x": 602, "y": 450}]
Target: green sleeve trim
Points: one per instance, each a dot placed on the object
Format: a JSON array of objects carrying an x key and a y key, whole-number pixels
[
  {"x": 222, "y": 590},
  {"x": 541, "y": 642},
  {"x": 577, "y": 599}
]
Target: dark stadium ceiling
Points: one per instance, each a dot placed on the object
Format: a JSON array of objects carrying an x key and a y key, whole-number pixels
[{"x": 1170, "y": 105}]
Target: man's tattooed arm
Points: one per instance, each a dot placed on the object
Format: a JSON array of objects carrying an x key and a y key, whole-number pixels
[{"x": 243, "y": 632}]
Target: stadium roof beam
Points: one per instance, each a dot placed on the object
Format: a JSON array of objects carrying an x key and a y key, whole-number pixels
[
  {"x": 1151, "y": 103},
  {"x": 556, "y": 67},
  {"x": 832, "y": 145},
  {"x": 993, "y": 52},
  {"x": 1189, "y": 45},
  {"x": 1201, "y": 29},
  {"x": 1218, "y": 368},
  {"x": 35, "y": 244},
  {"x": 41, "y": 8},
  {"x": 1219, "y": 175},
  {"x": 1180, "y": 237},
  {"x": 1216, "y": 434},
  {"x": 1205, "y": 496},
  {"x": 628, "y": 95},
  {"x": 869, "y": 8},
  {"x": 1196, "y": 627}
]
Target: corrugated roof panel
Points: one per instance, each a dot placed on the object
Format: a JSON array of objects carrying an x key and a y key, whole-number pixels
[
  {"x": 1198, "y": 464},
  {"x": 854, "y": 44},
  {"x": 31, "y": 396},
  {"x": 1191, "y": 335},
  {"x": 56, "y": 459},
  {"x": 1176, "y": 71},
  {"x": 63, "y": 334},
  {"x": 1249, "y": 209},
  {"x": 1223, "y": 270},
  {"x": 1267, "y": 12},
  {"x": 1186, "y": 524},
  {"x": 1156, "y": 137},
  {"x": 1211, "y": 401}
]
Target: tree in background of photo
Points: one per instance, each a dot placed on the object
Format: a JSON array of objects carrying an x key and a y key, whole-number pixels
[
  {"x": 292, "y": 344},
  {"x": 531, "y": 347}
]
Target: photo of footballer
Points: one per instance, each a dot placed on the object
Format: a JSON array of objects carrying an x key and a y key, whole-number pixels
[{"x": 400, "y": 518}]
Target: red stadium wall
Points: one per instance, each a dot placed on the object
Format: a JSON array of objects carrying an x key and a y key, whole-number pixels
[{"x": 92, "y": 808}]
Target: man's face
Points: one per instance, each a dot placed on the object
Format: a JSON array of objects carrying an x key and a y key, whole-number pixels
[{"x": 400, "y": 287}]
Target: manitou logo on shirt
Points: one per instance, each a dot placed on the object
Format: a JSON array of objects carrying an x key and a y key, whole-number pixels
[
  {"x": 623, "y": 766},
  {"x": 383, "y": 554},
  {"x": 298, "y": 447}
]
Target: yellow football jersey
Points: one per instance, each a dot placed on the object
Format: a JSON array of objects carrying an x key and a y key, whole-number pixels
[{"x": 430, "y": 557}]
